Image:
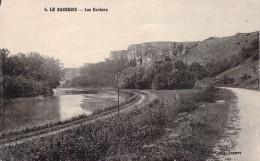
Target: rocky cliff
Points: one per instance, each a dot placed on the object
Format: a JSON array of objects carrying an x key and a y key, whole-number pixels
[
  {"x": 158, "y": 51},
  {"x": 118, "y": 55},
  {"x": 199, "y": 51}
]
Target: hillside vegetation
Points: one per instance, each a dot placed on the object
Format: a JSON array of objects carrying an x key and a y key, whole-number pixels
[
  {"x": 214, "y": 49},
  {"x": 241, "y": 70},
  {"x": 228, "y": 61}
]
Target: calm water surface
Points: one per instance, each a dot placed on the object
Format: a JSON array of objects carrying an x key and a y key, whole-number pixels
[{"x": 65, "y": 104}]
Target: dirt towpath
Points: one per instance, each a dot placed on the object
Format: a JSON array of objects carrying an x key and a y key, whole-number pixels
[{"x": 243, "y": 130}]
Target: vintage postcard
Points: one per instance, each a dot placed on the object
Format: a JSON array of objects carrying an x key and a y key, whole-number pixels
[{"x": 141, "y": 80}]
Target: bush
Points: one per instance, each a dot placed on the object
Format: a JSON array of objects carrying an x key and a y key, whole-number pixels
[
  {"x": 209, "y": 93},
  {"x": 255, "y": 56},
  {"x": 18, "y": 86},
  {"x": 245, "y": 77},
  {"x": 160, "y": 81},
  {"x": 228, "y": 80},
  {"x": 252, "y": 51},
  {"x": 187, "y": 104},
  {"x": 181, "y": 80},
  {"x": 220, "y": 66}
]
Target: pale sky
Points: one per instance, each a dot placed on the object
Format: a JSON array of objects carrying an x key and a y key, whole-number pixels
[{"x": 87, "y": 37}]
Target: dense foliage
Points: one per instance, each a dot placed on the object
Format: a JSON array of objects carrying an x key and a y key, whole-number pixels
[
  {"x": 31, "y": 74},
  {"x": 102, "y": 74},
  {"x": 251, "y": 52},
  {"x": 166, "y": 75}
]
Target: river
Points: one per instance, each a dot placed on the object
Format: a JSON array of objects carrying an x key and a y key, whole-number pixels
[{"x": 65, "y": 104}]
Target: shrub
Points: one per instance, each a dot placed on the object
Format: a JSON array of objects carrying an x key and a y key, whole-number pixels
[
  {"x": 181, "y": 80},
  {"x": 160, "y": 81},
  {"x": 228, "y": 80},
  {"x": 220, "y": 66},
  {"x": 187, "y": 105},
  {"x": 245, "y": 77},
  {"x": 18, "y": 86},
  {"x": 255, "y": 56},
  {"x": 252, "y": 51},
  {"x": 209, "y": 93}
]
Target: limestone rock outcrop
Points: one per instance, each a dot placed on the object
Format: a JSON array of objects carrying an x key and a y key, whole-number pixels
[
  {"x": 199, "y": 51},
  {"x": 118, "y": 55}
]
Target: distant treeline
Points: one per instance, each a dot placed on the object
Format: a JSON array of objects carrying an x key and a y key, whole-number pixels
[
  {"x": 101, "y": 74},
  {"x": 165, "y": 75},
  {"x": 27, "y": 75}
]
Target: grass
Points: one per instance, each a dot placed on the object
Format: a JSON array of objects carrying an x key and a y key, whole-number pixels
[
  {"x": 160, "y": 130},
  {"x": 193, "y": 134}
]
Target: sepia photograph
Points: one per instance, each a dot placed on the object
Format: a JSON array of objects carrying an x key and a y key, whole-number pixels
[{"x": 133, "y": 80}]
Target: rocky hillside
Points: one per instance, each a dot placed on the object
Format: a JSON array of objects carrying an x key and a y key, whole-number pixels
[
  {"x": 229, "y": 61},
  {"x": 213, "y": 49},
  {"x": 158, "y": 51},
  {"x": 244, "y": 75},
  {"x": 199, "y": 51}
]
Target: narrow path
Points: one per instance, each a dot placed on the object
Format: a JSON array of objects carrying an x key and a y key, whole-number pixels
[
  {"x": 243, "y": 130},
  {"x": 146, "y": 97}
]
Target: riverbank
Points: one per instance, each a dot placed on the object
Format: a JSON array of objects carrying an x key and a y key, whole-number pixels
[
  {"x": 24, "y": 99},
  {"x": 38, "y": 128},
  {"x": 164, "y": 129}
]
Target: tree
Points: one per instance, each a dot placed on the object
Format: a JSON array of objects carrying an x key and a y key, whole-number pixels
[
  {"x": 160, "y": 81},
  {"x": 180, "y": 65},
  {"x": 228, "y": 80},
  {"x": 167, "y": 66},
  {"x": 181, "y": 80},
  {"x": 53, "y": 72},
  {"x": 101, "y": 74},
  {"x": 128, "y": 78},
  {"x": 198, "y": 70},
  {"x": 30, "y": 74}
]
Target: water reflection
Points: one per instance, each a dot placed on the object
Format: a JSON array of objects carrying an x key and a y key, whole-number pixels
[
  {"x": 31, "y": 111},
  {"x": 70, "y": 105},
  {"x": 66, "y": 103}
]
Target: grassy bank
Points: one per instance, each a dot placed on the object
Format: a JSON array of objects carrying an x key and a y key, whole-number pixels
[
  {"x": 180, "y": 126},
  {"x": 191, "y": 135}
]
